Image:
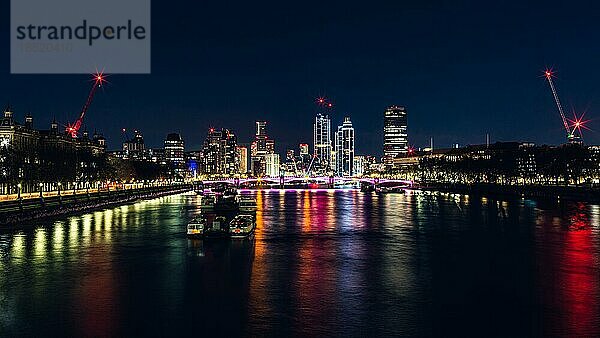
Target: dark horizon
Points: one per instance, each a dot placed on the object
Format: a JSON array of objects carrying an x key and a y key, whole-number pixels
[{"x": 461, "y": 70}]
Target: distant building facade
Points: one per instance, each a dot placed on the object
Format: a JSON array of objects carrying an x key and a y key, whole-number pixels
[
  {"x": 395, "y": 134},
  {"x": 29, "y": 156},
  {"x": 322, "y": 146},
  {"x": 174, "y": 153},
  {"x": 359, "y": 165},
  {"x": 344, "y": 149},
  {"x": 260, "y": 148},
  {"x": 303, "y": 149},
  {"x": 272, "y": 165},
  {"x": 135, "y": 148},
  {"x": 242, "y": 154},
  {"x": 220, "y": 153}
]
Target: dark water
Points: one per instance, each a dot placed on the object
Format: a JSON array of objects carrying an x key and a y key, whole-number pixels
[{"x": 322, "y": 263}]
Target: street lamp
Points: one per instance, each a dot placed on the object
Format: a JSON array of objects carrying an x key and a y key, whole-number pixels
[
  {"x": 19, "y": 191},
  {"x": 59, "y": 184},
  {"x": 41, "y": 190}
]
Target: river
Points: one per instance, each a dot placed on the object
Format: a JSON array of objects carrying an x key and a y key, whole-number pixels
[{"x": 323, "y": 262}]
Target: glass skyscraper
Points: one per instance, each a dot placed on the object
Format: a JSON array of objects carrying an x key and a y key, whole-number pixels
[
  {"x": 260, "y": 148},
  {"x": 344, "y": 149},
  {"x": 219, "y": 153},
  {"x": 395, "y": 136},
  {"x": 322, "y": 140}
]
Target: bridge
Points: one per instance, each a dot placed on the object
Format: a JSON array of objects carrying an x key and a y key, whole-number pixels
[{"x": 292, "y": 180}]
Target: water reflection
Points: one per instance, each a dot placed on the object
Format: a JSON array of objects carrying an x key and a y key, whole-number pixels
[{"x": 321, "y": 262}]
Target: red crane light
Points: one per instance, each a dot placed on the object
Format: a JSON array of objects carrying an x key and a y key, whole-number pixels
[{"x": 578, "y": 124}]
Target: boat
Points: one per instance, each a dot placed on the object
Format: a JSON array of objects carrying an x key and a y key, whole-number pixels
[
  {"x": 217, "y": 229},
  {"x": 207, "y": 202},
  {"x": 247, "y": 204},
  {"x": 195, "y": 228},
  {"x": 242, "y": 226}
]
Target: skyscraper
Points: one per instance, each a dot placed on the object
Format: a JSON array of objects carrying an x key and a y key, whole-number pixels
[
  {"x": 344, "y": 149},
  {"x": 134, "y": 148},
  {"x": 219, "y": 153},
  {"x": 242, "y": 153},
  {"x": 322, "y": 140},
  {"x": 211, "y": 152},
  {"x": 260, "y": 148},
  {"x": 174, "y": 153},
  {"x": 272, "y": 165},
  {"x": 395, "y": 136},
  {"x": 261, "y": 138}
]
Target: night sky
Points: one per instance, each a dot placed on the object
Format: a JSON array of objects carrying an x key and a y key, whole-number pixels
[{"x": 462, "y": 69}]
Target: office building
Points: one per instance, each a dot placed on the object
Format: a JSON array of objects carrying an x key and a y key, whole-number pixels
[
  {"x": 242, "y": 154},
  {"x": 134, "y": 148},
  {"x": 175, "y": 154},
  {"x": 220, "y": 153},
  {"x": 322, "y": 141},
  {"x": 272, "y": 165},
  {"x": 260, "y": 148},
  {"x": 395, "y": 137},
  {"x": 359, "y": 165},
  {"x": 344, "y": 149}
]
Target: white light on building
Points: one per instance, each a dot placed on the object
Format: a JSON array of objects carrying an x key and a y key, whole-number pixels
[{"x": 272, "y": 165}]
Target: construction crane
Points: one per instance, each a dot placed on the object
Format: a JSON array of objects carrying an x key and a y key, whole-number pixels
[
  {"x": 572, "y": 127},
  {"x": 72, "y": 129}
]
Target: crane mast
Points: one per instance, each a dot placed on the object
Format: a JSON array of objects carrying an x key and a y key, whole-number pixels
[
  {"x": 560, "y": 109},
  {"x": 73, "y": 129}
]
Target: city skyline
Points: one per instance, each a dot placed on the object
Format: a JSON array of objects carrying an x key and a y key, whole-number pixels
[
  {"x": 451, "y": 76},
  {"x": 299, "y": 169}
]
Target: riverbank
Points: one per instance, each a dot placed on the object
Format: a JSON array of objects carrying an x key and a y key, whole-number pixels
[
  {"x": 582, "y": 194},
  {"x": 14, "y": 212}
]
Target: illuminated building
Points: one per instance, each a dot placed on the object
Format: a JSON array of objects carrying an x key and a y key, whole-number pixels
[
  {"x": 258, "y": 166},
  {"x": 242, "y": 154},
  {"x": 220, "y": 153},
  {"x": 395, "y": 137},
  {"x": 134, "y": 148},
  {"x": 359, "y": 165},
  {"x": 260, "y": 148},
  {"x": 212, "y": 153},
  {"x": 231, "y": 163},
  {"x": 344, "y": 149},
  {"x": 192, "y": 161},
  {"x": 45, "y": 156},
  {"x": 260, "y": 141},
  {"x": 272, "y": 165},
  {"x": 156, "y": 155},
  {"x": 303, "y": 149},
  {"x": 322, "y": 140},
  {"x": 174, "y": 153},
  {"x": 526, "y": 162},
  {"x": 270, "y": 145}
]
